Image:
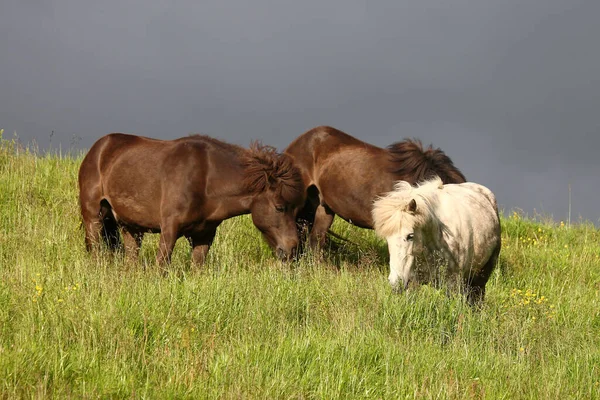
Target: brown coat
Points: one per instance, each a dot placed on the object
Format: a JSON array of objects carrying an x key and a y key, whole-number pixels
[
  {"x": 186, "y": 187},
  {"x": 343, "y": 175}
]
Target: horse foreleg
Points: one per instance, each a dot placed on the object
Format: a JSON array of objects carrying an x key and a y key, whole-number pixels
[
  {"x": 201, "y": 243},
  {"x": 306, "y": 216},
  {"x": 323, "y": 220}
]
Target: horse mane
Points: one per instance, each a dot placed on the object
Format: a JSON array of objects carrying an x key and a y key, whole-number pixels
[
  {"x": 390, "y": 210},
  {"x": 412, "y": 163},
  {"x": 265, "y": 169}
]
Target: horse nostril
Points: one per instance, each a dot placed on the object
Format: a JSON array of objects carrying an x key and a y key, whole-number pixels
[
  {"x": 294, "y": 251},
  {"x": 281, "y": 254},
  {"x": 397, "y": 289},
  {"x": 286, "y": 255}
]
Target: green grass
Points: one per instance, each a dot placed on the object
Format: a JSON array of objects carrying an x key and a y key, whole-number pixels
[{"x": 247, "y": 326}]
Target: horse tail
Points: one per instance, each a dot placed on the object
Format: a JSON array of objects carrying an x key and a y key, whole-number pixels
[
  {"x": 110, "y": 228},
  {"x": 413, "y": 163},
  {"x": 339, "y": 237}
]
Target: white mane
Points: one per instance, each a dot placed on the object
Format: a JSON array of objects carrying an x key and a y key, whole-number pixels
[{"x": 390, "y": 211}]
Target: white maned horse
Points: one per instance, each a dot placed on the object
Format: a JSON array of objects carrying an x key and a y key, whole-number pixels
[{"x": 440, "y": 232}]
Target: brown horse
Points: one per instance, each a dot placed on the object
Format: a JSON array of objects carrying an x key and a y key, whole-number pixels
[
  {"x": 343, "y": 175},
  {"x": 186, "y": 187}
]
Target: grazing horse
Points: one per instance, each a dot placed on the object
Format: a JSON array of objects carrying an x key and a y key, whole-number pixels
[
  {"x": 186, "y": 187},
  {"x": 343, "y": 175},
  {"x": 436, "y": 231}
]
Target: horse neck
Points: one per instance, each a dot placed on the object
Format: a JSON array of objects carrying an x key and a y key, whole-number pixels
[
  {"x": 432, "y": 229},
  {"x": 432, "y": 235},
  {"x": 231, "y": 204},
  {"x": 231, "y": 198}
]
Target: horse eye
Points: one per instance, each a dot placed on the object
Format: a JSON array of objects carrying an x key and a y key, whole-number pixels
[
  {"x": 280, "y": 208},
  {"x": 410, "y": 236}
]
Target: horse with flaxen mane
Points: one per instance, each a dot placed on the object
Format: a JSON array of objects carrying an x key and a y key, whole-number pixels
[
  {"x": 343, "y": 175},
  {"x": 440, "y": 233},
  {"x": 186, "y": 187}
]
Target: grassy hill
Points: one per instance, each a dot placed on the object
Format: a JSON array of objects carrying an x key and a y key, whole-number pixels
[{"x": 248, "y": 326}]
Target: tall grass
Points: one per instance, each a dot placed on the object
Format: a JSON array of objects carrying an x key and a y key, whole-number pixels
[{"x": 247, "y": 326}]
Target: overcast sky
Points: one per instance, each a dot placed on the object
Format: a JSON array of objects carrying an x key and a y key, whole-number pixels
[{"x": 509, "y": 89}]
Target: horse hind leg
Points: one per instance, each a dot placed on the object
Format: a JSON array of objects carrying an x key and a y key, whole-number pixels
[
  {"x": 475, "y": 287},
  {"x": 92, "y": 222},
  {"x": 92, "y": 226},
  {"x": 132, "y": 242},
  {"x": 110, "y": 228},
  {"x": 475, "y": 295}
]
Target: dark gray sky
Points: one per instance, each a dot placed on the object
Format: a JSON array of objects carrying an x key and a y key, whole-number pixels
[{"x": 509, "y": 89}]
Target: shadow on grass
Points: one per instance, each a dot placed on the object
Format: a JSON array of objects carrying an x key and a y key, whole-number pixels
[{"x": 350, "y": 253}]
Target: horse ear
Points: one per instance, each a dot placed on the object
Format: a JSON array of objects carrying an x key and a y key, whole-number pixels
[{"x": 412, "y": 206}]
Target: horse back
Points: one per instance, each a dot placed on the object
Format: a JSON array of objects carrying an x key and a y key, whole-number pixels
[
  {"x": 484, "y": 191},
  {"x": 142, "y": 178},
  {"x": 107, "y": 156},
  {"x": 469, "y": 201},
  {"x": 315, "y": 148},
  {"x": 469, "y": 213},
  {"x": 98, "y": 159}
]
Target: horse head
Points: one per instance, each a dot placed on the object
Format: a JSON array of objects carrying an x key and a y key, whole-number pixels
[
  {"x": 278, "y": 194},
  {"x": 404, "y": 220}
]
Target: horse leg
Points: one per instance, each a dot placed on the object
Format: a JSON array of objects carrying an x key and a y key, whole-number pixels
[
  {"x": 132, "y": 241},
  {"x": 110, "y": 227},
  {"x": 92, "y": 219},
  {"x": 92, "y": 225},
  {"x": 323, "y": 220},
  {"x": 475, "y": 295},
  {"x": 306, "y": 216},
  {"x": 475, "y": 286},
  {"x": 201, "y": 243},
  {"x": 99, "y": 221},
  {"x": 169, "y": 233}
]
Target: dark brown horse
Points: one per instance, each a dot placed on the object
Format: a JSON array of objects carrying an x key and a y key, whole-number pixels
[
  {"x": 186, "y": 187},
  {"x": 343, "y": 175}
]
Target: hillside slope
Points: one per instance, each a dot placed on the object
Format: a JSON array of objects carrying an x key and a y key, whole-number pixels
[{"x": 247, "y": 326}]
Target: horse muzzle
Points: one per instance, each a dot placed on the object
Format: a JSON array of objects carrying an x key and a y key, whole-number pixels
[
  {"x": 400, "y": 286},
  {"x": 286, "y": 254}
]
